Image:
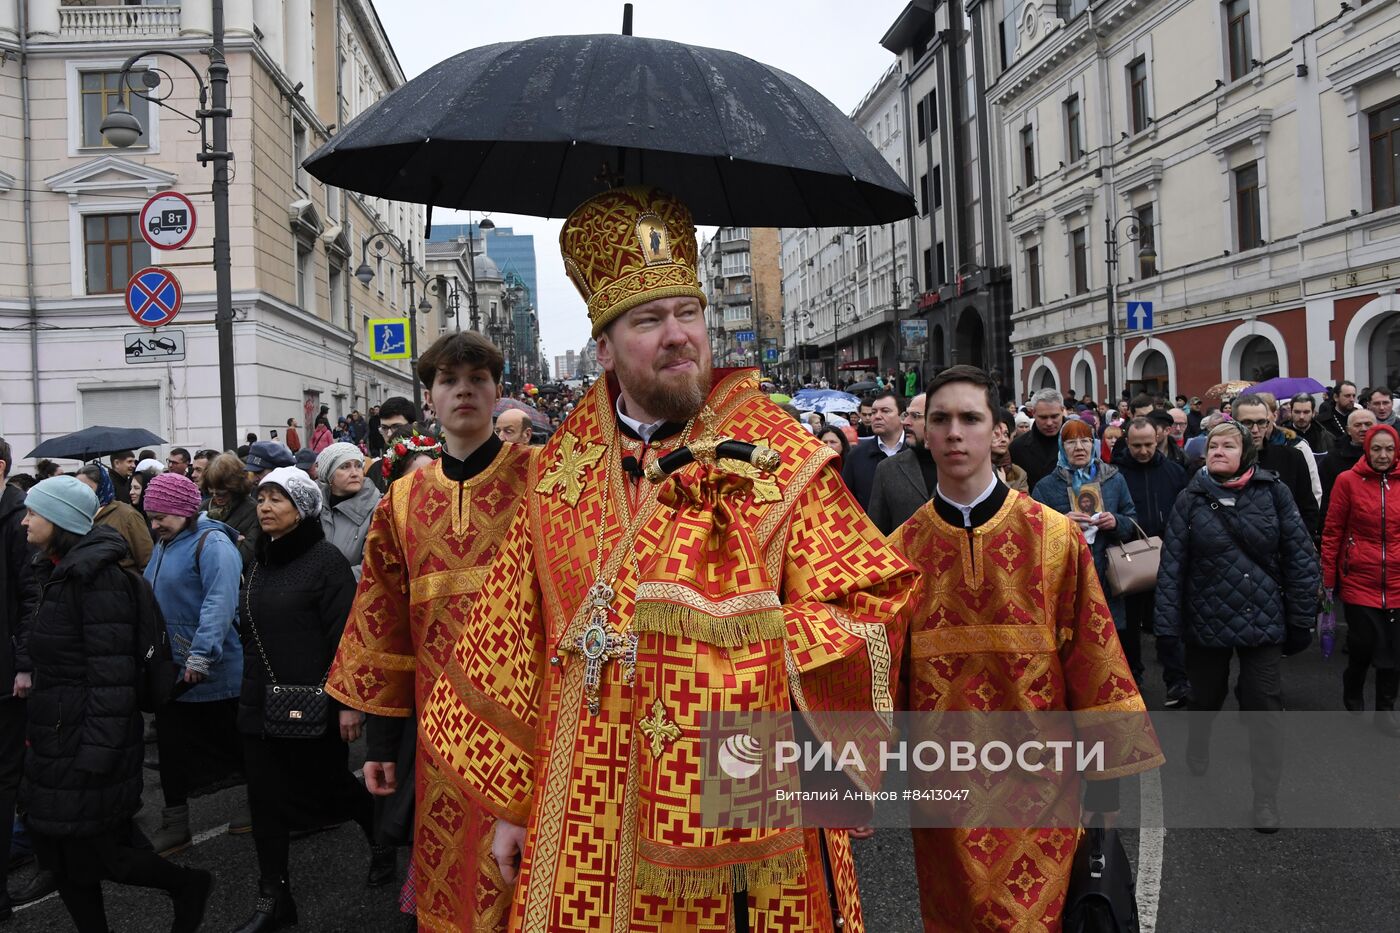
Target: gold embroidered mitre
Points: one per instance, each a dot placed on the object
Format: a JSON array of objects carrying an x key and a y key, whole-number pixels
[{"x": 628, "y": 246}]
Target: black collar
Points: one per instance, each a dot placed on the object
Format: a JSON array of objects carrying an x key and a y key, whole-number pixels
[
  {"x": 291, "y": 545},
  {"x": 667, "y": 429},
  {"x": 459, "y": 471},
  {"x": 981, "y": 514}
]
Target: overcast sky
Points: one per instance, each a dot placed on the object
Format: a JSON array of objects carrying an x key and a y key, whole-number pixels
[{"x": 833, "y": 46}]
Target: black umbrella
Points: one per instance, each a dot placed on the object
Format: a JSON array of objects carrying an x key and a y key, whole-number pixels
[
  {"x": 96, "y": 441},
  {"x": 865, "y": 386},
  {"x": 537, "y": 127}
]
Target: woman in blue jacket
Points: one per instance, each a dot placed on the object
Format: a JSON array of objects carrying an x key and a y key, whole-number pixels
[
  {"x": 1108, "y": 520},
  {"x": 195, "y": 573}
]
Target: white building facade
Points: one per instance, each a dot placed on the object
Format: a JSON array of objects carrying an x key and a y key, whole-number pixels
[
  {"x": 841, "y": 285},
  {"x": 69, "y": 200},
  {"x": 1253, "y": 145}
]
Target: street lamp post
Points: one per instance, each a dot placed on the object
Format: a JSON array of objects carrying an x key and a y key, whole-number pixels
[
  {"x": 1132, "y": 234},
  {"x": 836, "y": 337},
  {"x": 366, "y": 275},
  {"x": 894, "y": 300},
  {"x": 121, "y": 128},
  {"x": 486, "y": 224}
]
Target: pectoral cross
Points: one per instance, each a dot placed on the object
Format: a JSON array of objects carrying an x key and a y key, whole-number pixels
[{"x": 600, "y": 643}]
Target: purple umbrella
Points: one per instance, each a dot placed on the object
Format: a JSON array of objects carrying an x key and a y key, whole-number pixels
[
  {"x": 537, "y": 416},
  {"x": 1283, "y": 387}
]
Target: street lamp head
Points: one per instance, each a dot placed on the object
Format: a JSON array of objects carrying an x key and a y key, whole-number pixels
[
  {"x": 1147, "y": 253},
  {"x": 364, "y": 273},
  {"x": 486, "y": 224},
  {"x": 425, "y": 307},
  {"x": 121, "y": 128}
]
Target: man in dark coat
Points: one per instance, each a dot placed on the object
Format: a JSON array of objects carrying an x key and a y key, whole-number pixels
[
  {"x": 1334, "y": 417},
  {"x": 1345, "y": 453},
  {"x": 904, "y": 482},
  {"x": 19, "y": 593},
  {"x": 1038, "y": 450},
  {"x": 866, "y": 455},
  {"x": 1307, "y": 425},
  {"x": 1154, "y": 482},
  {"x": 1285, "y": 461}
]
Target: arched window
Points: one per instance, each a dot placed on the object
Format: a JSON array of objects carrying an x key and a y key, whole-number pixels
[
  {"x": 1385, "y": 353},
  {"x": 1044, "y": 379},
  {"x": 1258, "y": 360}
]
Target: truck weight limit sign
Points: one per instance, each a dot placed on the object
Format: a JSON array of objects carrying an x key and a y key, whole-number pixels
[{"x": 167, "y": 220}]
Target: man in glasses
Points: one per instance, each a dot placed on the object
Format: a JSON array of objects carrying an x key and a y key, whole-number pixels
[{"x": 1276, "y": 454}]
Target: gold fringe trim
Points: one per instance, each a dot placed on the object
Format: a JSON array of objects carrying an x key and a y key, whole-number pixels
[
  {"x": 724, "y": 631},
  {"x": 691, "y": 883},
  {"x": 1064, "y": 634}
]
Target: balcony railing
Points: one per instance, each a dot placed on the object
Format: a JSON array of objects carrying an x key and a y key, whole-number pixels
[{"x": 107, "y": 22}]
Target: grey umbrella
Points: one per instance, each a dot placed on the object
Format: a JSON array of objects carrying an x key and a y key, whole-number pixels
[
  {"x": 538, "y": 126},
  {"x": 96, "y": 441}
]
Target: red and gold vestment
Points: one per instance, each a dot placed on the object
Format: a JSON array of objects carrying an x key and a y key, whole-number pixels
[
  {"x": 611, "y": 801},
  {"x": 430, "y": 544},
  {"x": 1010, "y": 617}
]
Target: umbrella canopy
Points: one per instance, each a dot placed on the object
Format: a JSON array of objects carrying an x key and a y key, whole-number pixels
[
  {"x": 505, "y": 404},
  {"x": 780, "y": 398},
  {"x": 539, "y": 126},
  {"x": 96, "y": 441},
  {"x": 1284, "y": 387},
  {"x": 829, "y": 399},
  {"x": 1226, "y": 389},
  {"x": 864, "y": 386}
]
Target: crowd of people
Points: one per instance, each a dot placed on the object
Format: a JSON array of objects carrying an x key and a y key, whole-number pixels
[{"x": 316, "y": 594}]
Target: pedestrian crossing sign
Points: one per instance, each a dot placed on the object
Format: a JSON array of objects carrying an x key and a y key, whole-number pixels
[{"x": 388, "y": 339}]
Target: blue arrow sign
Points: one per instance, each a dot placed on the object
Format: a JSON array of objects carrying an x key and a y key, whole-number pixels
[{"x": 1139, "y": 315}]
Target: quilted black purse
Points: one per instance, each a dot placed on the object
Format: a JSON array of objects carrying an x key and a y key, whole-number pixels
[{"x": 290, "y": 711}]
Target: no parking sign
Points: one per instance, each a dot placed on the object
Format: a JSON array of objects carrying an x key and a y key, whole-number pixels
[{"x": 153, "y": 297}]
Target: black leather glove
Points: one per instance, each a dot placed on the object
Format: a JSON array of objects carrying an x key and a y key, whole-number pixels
[{"x": 1296, "y": 639}]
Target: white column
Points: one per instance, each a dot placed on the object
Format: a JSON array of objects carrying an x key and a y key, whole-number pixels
[
  {"x": 196, "y": 18},
  {"x": 238, "y": 17},
  {"x": 43, "y": 18},
  {"x": 267, "y": 14},
  {"x": 299, "y": 65},
  {"x": 1321, "y": 348}
]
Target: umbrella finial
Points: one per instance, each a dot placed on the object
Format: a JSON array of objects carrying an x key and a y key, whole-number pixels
[{"x": 627, "y": 19}]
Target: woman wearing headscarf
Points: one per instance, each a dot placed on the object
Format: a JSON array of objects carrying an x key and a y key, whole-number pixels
[
  {"x": 148, "y": 469},
  {"x": 349, "y": 499},
  {"x": 119, "y": 516},
  {"x": 1362, "y": 529},
  {"x": 82, "y": 772},
  {"x": 293, "y": 608},
  {"x": 1239, "y": 577},
  {"x": 1105, "y": 519}
]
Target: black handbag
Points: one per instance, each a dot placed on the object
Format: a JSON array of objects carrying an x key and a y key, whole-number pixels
[
  {"x": 290, "y": 711},
  {"x": 1102, "y": 896}
]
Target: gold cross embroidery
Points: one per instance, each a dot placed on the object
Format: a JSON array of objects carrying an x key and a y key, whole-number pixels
[
  {"x": 659, "y": 729},
  {"x": 568, "y": 471}
]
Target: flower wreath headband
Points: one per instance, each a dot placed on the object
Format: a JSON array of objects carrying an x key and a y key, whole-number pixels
[{"x": 418, "y": 444}]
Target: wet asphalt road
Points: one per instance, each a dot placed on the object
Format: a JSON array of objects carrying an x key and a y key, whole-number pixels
[{"x": 1211, "y": 880}]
